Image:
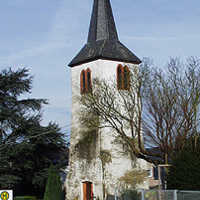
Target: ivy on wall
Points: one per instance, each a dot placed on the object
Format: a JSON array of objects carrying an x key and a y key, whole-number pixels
[
  {"x": 133, "y": 177},
  {"x": 86, "y": 146}
]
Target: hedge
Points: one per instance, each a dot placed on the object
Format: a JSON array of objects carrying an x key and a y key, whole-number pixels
[{"x": 25, "y": 198}]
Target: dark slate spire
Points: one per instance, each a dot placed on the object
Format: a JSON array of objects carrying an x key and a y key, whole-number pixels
[
  {"x": 103, "y": 42},
  {"x": 102, "y": 24}
]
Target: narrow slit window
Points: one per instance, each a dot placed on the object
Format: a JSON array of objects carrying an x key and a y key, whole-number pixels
[
  {"x": 83, "y": 85},
  {"x": 89, "y": 81},
  {"x": 119, "y": 77},
  {"x": 126, "y": 78}
]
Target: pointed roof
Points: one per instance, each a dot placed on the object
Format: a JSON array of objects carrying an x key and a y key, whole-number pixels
[
  {"x": 103, "y": 42},
  {"x": 102, "y": 24}
]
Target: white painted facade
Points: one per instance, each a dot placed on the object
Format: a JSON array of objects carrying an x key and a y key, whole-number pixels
[{"x": 79, "y": 169}]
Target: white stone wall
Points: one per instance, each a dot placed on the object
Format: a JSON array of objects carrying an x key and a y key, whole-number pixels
[{"x": 79, "y": 169}]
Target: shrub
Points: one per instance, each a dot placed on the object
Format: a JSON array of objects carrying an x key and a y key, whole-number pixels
[
  {"x": 53, "y": 190},
  {"x": 184, "y": 174},
  {"x": 131, "y": 195},
  {"x": 25, "y": 198}
]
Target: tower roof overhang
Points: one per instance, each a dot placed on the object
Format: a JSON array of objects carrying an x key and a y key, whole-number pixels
[{"x": 104, "y": 49}]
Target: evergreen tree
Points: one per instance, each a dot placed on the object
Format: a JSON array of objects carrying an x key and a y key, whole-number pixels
[
  {"x": 26, "y": 147},
  {"x": 184, "y": 174},
  {"x": 53, "y": 190}
]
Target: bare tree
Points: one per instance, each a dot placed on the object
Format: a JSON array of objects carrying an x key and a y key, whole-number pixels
[
  {"x": 160, "y": 109},
  {"x": 171, "y": 106}
]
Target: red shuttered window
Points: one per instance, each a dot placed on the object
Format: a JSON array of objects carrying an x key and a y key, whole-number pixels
[
  {"x": 123, "y": 77},
  {"x": 85, "y": 81}
]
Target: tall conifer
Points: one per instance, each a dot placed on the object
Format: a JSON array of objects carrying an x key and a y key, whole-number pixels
[{"x": 53, "y": 190}]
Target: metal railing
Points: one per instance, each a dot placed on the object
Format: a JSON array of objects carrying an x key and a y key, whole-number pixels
[{"x": 169, "y": 195}]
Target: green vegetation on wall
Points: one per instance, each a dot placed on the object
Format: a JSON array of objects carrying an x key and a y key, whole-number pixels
[
  {"x": 132, "y": 178},
  {"x": 105, "y": 157},
  {"x": 86, "y": 146}
]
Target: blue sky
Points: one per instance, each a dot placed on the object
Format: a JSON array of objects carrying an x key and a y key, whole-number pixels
[{"x": 44, "y": 35}]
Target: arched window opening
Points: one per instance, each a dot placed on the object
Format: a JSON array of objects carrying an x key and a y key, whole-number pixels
[
  {"x": 126, "y": 78},
  {"x": 85, "y": 81},
  {"x": 123, "y": 78},
  {"x": 89, "y": 81},
  {"x": 82, "y": 80},
  {"x": 120, "y": 77}
]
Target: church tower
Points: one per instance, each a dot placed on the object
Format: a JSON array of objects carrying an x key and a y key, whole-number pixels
[{"x": 103, "y": 56}]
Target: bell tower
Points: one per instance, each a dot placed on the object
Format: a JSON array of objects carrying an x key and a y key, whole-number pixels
[{"x": 101, "y": 57}]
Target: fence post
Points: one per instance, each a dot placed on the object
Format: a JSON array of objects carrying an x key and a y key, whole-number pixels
[
  {"x": 175, "y": 194},
  {"x": 142, "y": 191},
  {"x": 115, "y": 193}
]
